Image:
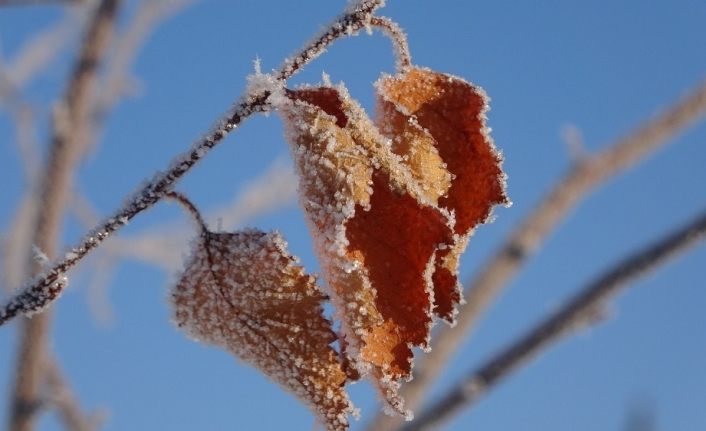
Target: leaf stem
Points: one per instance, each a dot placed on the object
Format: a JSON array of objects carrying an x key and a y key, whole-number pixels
[
  {"x": 189, "y": 207},
  {"x": 398, "y": 38}
]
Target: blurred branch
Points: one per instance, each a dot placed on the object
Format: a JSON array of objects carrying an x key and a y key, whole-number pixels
[
  {"x": 55, "y": 186},
  {"x": 43, "y": 289},
  {"x": 62, "y": 398},
  {"x": 116, "y": 81},
  {"x": 39, "y": 2},
  {"x": 573, "y": 138},
  {"x": 42, "y": 49},
  {"x": 589, "y": 172},
  {"x": 575, "y": 314},
  {"x": 16, "y": 244}
]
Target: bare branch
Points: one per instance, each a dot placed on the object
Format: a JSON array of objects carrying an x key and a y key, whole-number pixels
[
  {"x": 43, "y": 48},
  {"x": 577, "y": 312},
  {"x": 17, "y": 244},
  {"x": 573, "y": 138},
  {"x": 40, "y": 292},
  {"x": 38, "y": 2},
  {"x": 147, "y": 17},
  {"x": 494, "y": 275},
  {"x": 63, "y": 399},
  {"x": 54, "y": 189}
]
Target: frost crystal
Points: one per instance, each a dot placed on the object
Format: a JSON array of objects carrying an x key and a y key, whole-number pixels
[
  {"x": 243, "y": 292},
  {"x": 391, "y": 207},
  {"x": 439, "y": 121},
  {"x": 375, "y": 228}
]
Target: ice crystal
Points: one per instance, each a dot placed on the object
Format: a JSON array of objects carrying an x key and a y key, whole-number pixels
[
  {"x": 244, "y": 292},
  {"x": 428, "y": 115}
]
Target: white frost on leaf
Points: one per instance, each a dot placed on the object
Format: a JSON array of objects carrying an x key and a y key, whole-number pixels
[{"x": 244, "y": 292}]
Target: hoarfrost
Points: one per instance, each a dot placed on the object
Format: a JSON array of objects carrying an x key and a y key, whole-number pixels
[{"x": 242, "y": 291}]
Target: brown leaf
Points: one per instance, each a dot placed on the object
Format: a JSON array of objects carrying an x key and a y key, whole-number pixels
[
  {"x": 438, "y": 114},
  {"x": 243, "y": 292},
  {"x": 376, "y": 232}
]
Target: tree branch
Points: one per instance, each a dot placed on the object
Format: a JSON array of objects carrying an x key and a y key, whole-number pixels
[
  {"x": 38, "y": 2},
  {"x": 55, "y": 185},
  {"x": 494, "y": 275},
  {"x": 41, "y": 291},
  {"x": 398, "y": 38},
  {"x": 579, "y": 311},
  {"x": 64, "y": 401}
]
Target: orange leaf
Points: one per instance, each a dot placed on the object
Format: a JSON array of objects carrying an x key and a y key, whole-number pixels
[
  {"x": 243, "y": 292},
  {"x": 435, "y": 113},
  {"x": 375, "y": 228}
]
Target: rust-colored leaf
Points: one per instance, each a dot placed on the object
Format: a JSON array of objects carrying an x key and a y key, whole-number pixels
[
  {"x": 438, "y": 114},
  {"x": 375, "y": 229},
  {"x": 244, "y": 292}
]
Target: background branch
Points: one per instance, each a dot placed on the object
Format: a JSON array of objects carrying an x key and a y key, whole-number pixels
[
  {"x": 54, "y": 189},
  {"x": 577, "y": 313},
  {"x": 39, "y": 2},
  {"x": 495, "y": 274},
  {"x": 62, "y": 398}
]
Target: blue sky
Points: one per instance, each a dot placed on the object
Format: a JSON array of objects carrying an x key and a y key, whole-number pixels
[{"x": 602, "y": 66}]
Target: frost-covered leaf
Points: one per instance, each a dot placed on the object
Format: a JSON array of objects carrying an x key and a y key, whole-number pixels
[
  {"x": 244, "y": 292},
  {"x": 375, "y": 227},
  {"x": 429, "y": 114}
]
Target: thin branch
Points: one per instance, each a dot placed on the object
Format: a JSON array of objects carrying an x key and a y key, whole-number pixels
[
  {"x": 41, "y": 50},
  {"x": 41, "y": 291},
  {"x": 494, "y": 275},
  {"x": 17, "y": 244},
  {"x": 189, "y": 207},
  {"x": 128, "y": 43},
  {"x": 63, "y": 399},
  {"x": 581, "y": 309},
  {"x": 54, "y": 189},
  {"x": 38, "y": 2},
  {"x": 399, "y": 40}
]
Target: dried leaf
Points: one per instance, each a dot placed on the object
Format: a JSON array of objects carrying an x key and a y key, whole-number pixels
[
  {"x": 376, "y": 232},
  {"x": 243, "y": 292},
  {"x": 426, "y": 114}
]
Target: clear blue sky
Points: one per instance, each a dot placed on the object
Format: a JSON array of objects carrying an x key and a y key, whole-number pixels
[{"x": 603, "y": 66}]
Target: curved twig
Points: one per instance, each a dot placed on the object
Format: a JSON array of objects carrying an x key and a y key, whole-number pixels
[
  {"x": 399, "y": 40},
  {"x": 189, "y": 207}
]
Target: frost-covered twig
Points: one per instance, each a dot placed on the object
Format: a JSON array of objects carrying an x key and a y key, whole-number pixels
[
  {"x": 399, "y": 40},
  {"x": 189, "y": 207},
  {"x": 54, "y": 188},
  {"x": 41, "y": 291},
  {"x": 164, "y": 246},
  {"x": 589, "y": 172},
  {"x": 577, "y": 312}
]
